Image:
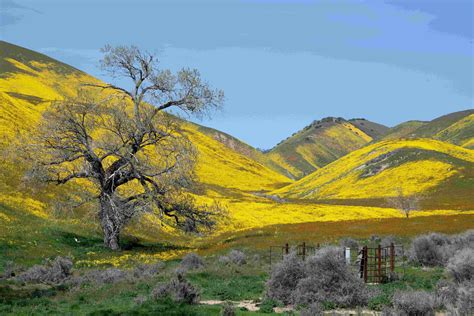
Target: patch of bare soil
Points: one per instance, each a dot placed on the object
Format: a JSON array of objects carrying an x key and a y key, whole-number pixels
[{"x": 253, "y": 307}]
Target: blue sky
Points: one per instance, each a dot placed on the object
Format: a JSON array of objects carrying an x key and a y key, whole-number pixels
[{"x": 282, "y": 64}]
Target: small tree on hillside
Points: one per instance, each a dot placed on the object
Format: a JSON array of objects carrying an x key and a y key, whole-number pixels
[
  {"x": 120, "y": 144},
  {"x": 404, "y": 203}
]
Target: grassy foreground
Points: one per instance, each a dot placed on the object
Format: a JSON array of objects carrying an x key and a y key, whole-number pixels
[{"x": 25, "y": 247}]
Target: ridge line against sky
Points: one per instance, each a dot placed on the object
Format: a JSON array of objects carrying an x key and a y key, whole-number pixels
[{"x": 282, "y": 64}]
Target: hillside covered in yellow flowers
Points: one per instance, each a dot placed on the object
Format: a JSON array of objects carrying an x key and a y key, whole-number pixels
[{"x": 355, "y": 172}]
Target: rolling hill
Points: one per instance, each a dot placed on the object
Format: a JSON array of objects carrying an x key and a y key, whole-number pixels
[
  {"x": 441, "y": 173},
  {"x": 29, "y": 81},
  {"x": 455, "y": 128},
  {"x": 403, "y": 130},
  {"x": 231, "y": 172},
  {"x": 321, "y": 143}
]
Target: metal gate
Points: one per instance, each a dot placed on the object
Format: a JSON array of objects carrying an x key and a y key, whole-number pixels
[{"x": 378, "y": 264}]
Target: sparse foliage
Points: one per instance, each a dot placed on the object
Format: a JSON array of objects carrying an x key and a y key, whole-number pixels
[
  {"x": 413, "y": 303},
  {"x": 235, "y": 257},
  {"x": 147, "y": 270},
  {"x": 405, "y": 203},
  {"x": 192, "y": 261},
  {"x": 122, "y": 147},
  {"x": 329, "y": 279},
  {"x": 424, "y": 251},
  {"x": 322, "y": 278},
  {"x": 461, "y": 266},
  {"x": 179, "y": 290},
  {"x": 227, "y": 309},
  {"x": 284, "y": 278},
  {"x": 52, "y": 272},
  {"x": 349, "y": 243}
]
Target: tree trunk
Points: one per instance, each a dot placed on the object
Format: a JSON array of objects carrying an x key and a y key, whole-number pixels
[{"x": 110, "y": 223}]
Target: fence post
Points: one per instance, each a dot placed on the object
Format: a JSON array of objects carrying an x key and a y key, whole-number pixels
[
  {"x": 379, "y": 263},
  {"x": 286, "y": 249},
  {"x": 304, "y": 250},
  {"x": 347, "y": 255},
  {"x": 270, "y": 257},
  {"x": 392, "y": 257},
  {"x": 364, "y": 258}
]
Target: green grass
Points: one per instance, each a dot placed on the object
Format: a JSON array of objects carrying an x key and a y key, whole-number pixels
[
  {"x": 233, "y": 287},
  {"x": 29, "y": 239},
  {"x": 215, "y": 282}
]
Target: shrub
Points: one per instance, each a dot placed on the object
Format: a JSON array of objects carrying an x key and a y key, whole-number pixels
[
  {"x": 329, "y": 280},
  {"x": 464, "y": 304},
  {"x": 458, "y": 298},
  {"x": 349, "y": 242},
  {"x": 414, "y": 303},
  {"x": 107, "y": 276},
  {"x": 234, "y": 256},
  {"x": 375, "y": 239},
  {"x": 52, "y": 272},
  {"x": 388, "y": 311},
  {"x": 227, "y": 309},
  {"x": 446, "y": 292},
  {"x": 461, "y": 265},
  {"x": 9, "y": 270},
  {"x": 284, "y": 278},
  {"x": 312, "y": 310},
  {"x": 225, "y": 260},
  {"x": 387, "y": 241},
  {"x": 439, "y": 239},
  {"x": 147, "y": 270},
  {"x": 424, "y": 251},
  {"x": 192, "y": 261},
  {"x": 179, "y": 290}
]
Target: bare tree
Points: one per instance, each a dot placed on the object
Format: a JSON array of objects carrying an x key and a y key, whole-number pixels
[
  {"x": 122, "y": 142},
  {"x": 404, "y": 203}
]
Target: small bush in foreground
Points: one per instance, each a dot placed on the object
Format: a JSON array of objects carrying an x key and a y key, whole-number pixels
[
  {"x": 147, "y": 270},
  {"x": 227, "y": 309},
  {"x": 234, "y": 256},
  {"x": 329, "y": 280},
  {"x": 461, "y": 265},
  {"x": 349, "y": 243},
  {"x": 284, "y": 278},
  {"x": 106, "y": 276},
  {"x": 52, "y": 272},
  {"x": 99, "y": 277},
  {"x": 426, "y": 252},
  {"x": 457, "y": 298},
  {"x": 192, "y": 261},
  {"x": 414, "y": 303},
  {"x": 464, "y": 304},
  {"x": 179, "y": 290}
]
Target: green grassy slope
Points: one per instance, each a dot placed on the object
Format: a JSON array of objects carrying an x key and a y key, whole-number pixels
[
  {"x": 403, "y": 130},
  {"x": 456, "y": 128}
]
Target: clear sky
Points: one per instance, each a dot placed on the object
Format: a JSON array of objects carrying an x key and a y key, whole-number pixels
[{"x": 282, "y": 64}]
